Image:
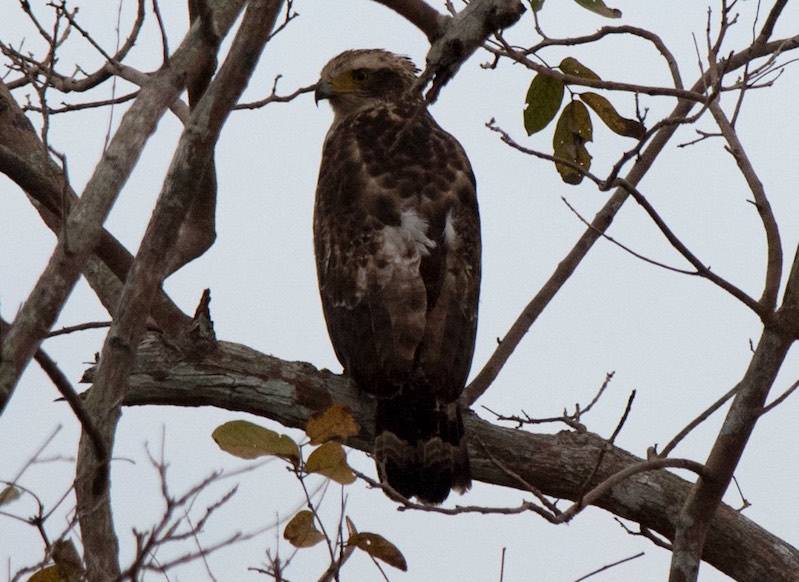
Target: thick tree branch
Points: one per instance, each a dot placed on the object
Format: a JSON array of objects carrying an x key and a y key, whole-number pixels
[
  {"x": 238, "y": 378},
  {"x": 696, "y": 518},
  {"x": 150, "y": 267},
  {"x": 421, "y": 15},
  {"x": 462, "y": 36}
]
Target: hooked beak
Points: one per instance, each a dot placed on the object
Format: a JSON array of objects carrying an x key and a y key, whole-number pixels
[{"x": 323, "y": 91}]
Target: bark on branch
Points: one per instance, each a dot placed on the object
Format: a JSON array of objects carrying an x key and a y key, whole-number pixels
[{"x": 235, "y": 377}]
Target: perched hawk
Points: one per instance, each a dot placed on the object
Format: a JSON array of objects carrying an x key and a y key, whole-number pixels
[{"x": 397, "y": 242}]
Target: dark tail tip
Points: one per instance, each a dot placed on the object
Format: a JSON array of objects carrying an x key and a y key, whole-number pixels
[{"x": 419, "y": 458}]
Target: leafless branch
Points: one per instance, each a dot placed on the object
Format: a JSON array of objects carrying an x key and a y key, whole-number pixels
[
  {"x": 273, "y": 97},
  {"x": 611, "y": 440},
  {"x": 609, "y": 566},
  {"x": 626, "y": 248},
  {"x": 771, "y": 288},
  {"x": 572, "y": 420},
  {"x": 607, "y": 31},
  {"x": 79, "y": 327},
  {"x": 62, "y": 384},
  {"x": 697, "y": 421},
  {"x": 67, "y": 83},
  {"x": 646, "y": 533},
  {"x": 162, "y": 30},
  {"x": 702, "y": 270},
  {"x": 781, "y": 398}
]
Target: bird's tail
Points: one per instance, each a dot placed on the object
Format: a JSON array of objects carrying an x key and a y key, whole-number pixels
[{"x": 420, "y": 448}]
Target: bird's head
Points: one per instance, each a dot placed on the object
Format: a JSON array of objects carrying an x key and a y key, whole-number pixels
[{"x": 360, "y": 79}]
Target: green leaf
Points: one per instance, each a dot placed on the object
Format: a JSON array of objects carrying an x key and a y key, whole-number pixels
[
  {"x": 600, "y": 8},
  {"x": 615, "y": 122},
  {"x": 301, "y": 531},
  {"x": 249, "y": 441},
  {"x": 9, "y": 494},
  {"x": 572, "y": 131},
  {"x": 330, "y": 460},
  {"x": 572, "y": 66},
  {"x": 536, "y": 5},
  {"x": 379, "y": 547},
  {"x": 542, "y": 102},
  {"x": 336, "y": 421}
]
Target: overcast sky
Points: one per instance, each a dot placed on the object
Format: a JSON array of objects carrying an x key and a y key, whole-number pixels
[{"x": 677, "y": 340}]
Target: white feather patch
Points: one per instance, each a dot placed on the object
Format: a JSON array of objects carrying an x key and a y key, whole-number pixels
[
  {"x": 450, "y": 235},
  {"x": 416, "y": 227}
]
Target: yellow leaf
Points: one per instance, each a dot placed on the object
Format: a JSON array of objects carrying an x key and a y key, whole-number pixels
[
  {"x": 301, "y": 531},
  {"x": 572, "y": 131},
  {"x": 615, "y": 122},
  {"x": 379, "y": 547},
  {"x": 49, "y": 574},
  {"x": 249, "y": 441},
  {"x": 334, "y": 422},
  {"x": 330, "y": 460}
]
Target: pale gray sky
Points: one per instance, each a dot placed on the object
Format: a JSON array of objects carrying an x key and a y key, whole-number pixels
[{"x": 677, "y": 340}]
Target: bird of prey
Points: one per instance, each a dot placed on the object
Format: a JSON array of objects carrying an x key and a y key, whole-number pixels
[{"x": 397, "y": 244}]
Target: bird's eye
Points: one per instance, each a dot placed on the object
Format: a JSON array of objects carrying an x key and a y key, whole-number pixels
[{"x": 360, "y": 75}]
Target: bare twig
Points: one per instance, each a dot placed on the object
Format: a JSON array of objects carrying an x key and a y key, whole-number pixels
[
  {"x": 781, "y": 398},
  {"x": 702, "y": 270},
  {"x": 646, "y": 533},
  {"x": 273, "y": 97},
  {"x": 609, "y": 566},
  {"x": 62, "y": 384},
  {"x": 79, "y": 327},
  {"x": 572, "y": 420},
  {"x": 162, "y": 30},
  {"x": 771, "y": 288},
  {"x": 611, "y": 440},
  {"x": 627, "y": 249},
  {"x": 697, "y": 421}
]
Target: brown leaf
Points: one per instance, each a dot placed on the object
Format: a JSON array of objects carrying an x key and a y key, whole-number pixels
[
  {"x": 379, "y": 547},
  {"x": 301, "y": 531},
  {"x": 615, "y": 122},
  {"x": 336, "y": 421},
  {"x": 572, "y": 131},
  {"x": 9, "y": 494}
]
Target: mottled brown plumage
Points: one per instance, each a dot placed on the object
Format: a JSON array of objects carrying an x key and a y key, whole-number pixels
[{"x": 397, "y": 242}]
